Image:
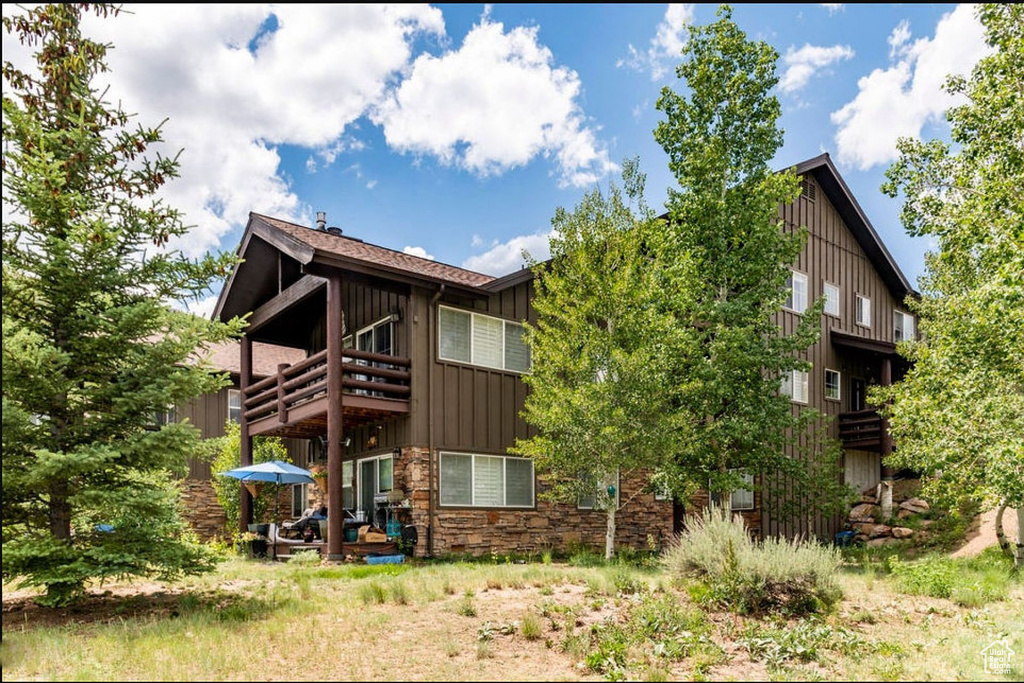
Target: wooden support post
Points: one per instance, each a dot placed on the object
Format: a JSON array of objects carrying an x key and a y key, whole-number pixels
[
  {"x": 335, "y": 511},
  {"x": 282, "y": 411},
  {"x": 245, "y": 440}
]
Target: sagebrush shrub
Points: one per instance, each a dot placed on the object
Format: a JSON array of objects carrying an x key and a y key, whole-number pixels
[{"x": 750, "y": 576}]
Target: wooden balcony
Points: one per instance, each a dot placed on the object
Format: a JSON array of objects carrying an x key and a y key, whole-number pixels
[
  {"x": 293, "y": 402},
  {"x": 861, "y": 429}
]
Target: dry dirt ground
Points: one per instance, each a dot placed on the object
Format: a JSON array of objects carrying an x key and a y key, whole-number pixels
[{"x": 983, "y": 533}]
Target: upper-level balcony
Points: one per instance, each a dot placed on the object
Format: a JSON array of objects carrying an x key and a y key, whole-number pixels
[
  {"x": 861, "y": 429},
  {"x": 293, "y": 402}
]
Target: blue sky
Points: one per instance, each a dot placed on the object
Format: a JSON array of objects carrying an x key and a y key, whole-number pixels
[{"x": 454, "y": 131}]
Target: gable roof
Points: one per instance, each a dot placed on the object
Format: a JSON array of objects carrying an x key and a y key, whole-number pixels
[
  {"x": 835, "y": 188},
  {"x": 347, "y": 248}
]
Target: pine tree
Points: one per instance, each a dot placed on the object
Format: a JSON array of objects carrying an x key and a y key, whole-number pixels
[{"x": 92, "y": 349}]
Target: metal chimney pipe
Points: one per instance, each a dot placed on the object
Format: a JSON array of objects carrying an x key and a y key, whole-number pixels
[{"x": 321, "y": 220}]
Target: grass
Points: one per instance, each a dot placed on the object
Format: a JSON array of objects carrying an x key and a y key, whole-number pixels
[{"x": 406, "y": 618}]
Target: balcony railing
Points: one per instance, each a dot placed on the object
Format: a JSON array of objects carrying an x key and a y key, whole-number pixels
[
  {"x": 363, "y": 373},
  {"x": 861, "y": 429}
]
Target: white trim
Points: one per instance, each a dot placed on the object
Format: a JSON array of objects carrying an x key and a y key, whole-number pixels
[
  {"x": 472, "y": 350},
  {"x": 839, "y": 385},
  {"x": 472, "y": 481},
  {"x": 238, "y": 394},
  {"x": 732, "y": 496},
  {"x": 838, "y": 299},
  {"x": 796, "y": 274},
  {"x": 858, "y": 308},
  {"x": 907, "y": 318},
  {"x": 789, "y": 388},
  {"x": 358, "y": 478}
]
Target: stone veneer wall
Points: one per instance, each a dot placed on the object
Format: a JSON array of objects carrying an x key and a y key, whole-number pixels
[
  {"x": 549, "y": 526},
  {"x": 201, "y": 509}
]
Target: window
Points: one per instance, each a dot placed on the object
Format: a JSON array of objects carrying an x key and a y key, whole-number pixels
[
  {"x": 300, "y": 494},
  {"x": 482, "y": 340},
  {"x": 348, "y": 496},
  {"x": 796, "y": 284},
  {"x": 832, "y": 388},
  {"x": 486, "y": 480},
  {"x": 794, "y": 385},
  {"x": 593, "y": 500},
  {"x": 375, "y": 338},
  {"x": 863, "y": 311},
  {"x": 376, "y": 475},
  {"x": 903, "y": 326},
  {"x": 743, "y": 499},
  {"x": 234, "y": 405},
  {"x": 164, "y": 417},
  {"x": 831, "y": 299}
]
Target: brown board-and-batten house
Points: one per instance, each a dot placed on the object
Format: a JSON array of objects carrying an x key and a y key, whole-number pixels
[{"x": 412, "y": 377}]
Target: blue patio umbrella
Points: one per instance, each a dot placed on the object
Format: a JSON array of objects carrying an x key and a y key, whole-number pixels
[{"x": 272, "y": 472}]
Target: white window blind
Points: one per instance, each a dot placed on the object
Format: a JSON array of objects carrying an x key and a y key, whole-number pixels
[
  {"x": 517, "y": 353},
  {"x": 348, "y": 498},
  {"x": 743, "y": 499},
  {"x": 797, "y": 298},
  {"x": 863, "y": 311},
  {"x": 486, "y": 480},
  {"x": 831, "y": 299},
  {"x": 234, "y": 405},
  {"x": 455, "y": 334},
  {"x": 903, "y": 326},
  {"x": 794, "y": 385},
  {"x": 488, "y": 341}
]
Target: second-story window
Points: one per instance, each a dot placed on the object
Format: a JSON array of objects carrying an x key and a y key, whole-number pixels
[
  {"x": 902, "y": 326},
  {"x": 234, "y": 405},
  {"x": 484, "y": 340},
  {"x": 794, "y": 385},
  {"x": 796, "y": 284},
  {"x": 863, "y": 311},
  {"x": 831, "y": 299},
  {"x": 832, "y": 387}
]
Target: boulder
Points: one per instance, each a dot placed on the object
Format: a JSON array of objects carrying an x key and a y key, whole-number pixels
[
  {"x": 864, "y": 512},
  {"x": 902, "y": 532},
  {"x": 915, "y": 505},
  {"x": 876, "y": 530},
  {"x": 874, "y": 542},
  {"x": 869, "y": 499},
  {"x": 903, "y": 514}
]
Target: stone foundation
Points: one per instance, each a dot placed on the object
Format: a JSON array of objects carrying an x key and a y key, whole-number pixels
[
  {"x": 201, "y": 510},
  {"x": 644, "y": 522}
]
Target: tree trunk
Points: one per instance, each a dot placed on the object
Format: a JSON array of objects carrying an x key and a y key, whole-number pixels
[
  {"x": 1018, "y": 560},
  {"x": 609, "y": 536},
  {"x": 885, "y": 499},
  {"x": 60, "y": 511},
  {"x": 1004, "y": 543}
]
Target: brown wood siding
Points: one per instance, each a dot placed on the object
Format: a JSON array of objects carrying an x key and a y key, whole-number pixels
[
  {"x": 831, "y": 255},
  {"x": 209, "y": 413},
  {"x": 477, "y": 409}
]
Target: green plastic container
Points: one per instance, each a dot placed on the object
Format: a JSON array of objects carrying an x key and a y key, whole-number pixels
[{"x": 351, "y": 534}]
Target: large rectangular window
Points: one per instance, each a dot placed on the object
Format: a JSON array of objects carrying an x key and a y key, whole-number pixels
[
  {"x": 832, "y": 295},
  {"x": 486, "y": 480},
  {"x": 902, "y": 326},
  {"x": 863, "y": 311},
  {"x": 376, "y": 475},
  {"x": 794, "y": 385},
  {"x": 300, "y": 495},
  {"x": 483, "y": 340},
  {"x": 796, "y": 299}
]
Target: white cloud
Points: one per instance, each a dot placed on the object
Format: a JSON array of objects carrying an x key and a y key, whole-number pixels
[
  {"x": 229, "y": 107},
  {"x": 203, "y": 308},
  {"x": 898, "y": 101},
  {"x": 494, "y": 104},
  {"x": 803, "y": 63},
  {"x": 898, "y": 39},
  {"x": 418, "y": 251},
  {"x": 507, "y": 257},
  {"x": 370, "y": 184},
  {"x": 833, "y": 7},
  {"x": 666, "y": 45}
]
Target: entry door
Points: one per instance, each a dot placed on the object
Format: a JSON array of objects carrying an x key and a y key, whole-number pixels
[{"x": 858, "y": 400}]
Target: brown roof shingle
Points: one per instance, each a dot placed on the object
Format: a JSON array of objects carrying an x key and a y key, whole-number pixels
[
  {"x": 340, "y": 245},
  {"x": 227, "y": 357}
]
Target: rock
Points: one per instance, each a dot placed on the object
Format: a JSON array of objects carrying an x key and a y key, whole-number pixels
[
  {"x": 863, "y": 513},
  {"x": 870, "y": 500},
  {"x": 875, "y": 542},
  {"x": 915, "y": 505},
  {"x": 925, "y": 523},
  {"x": 860, "y": 538},
  {"x": 902, "y": 532},
  {"x": 876, "y": 530},
  {"x": 903, "y": 514}
]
